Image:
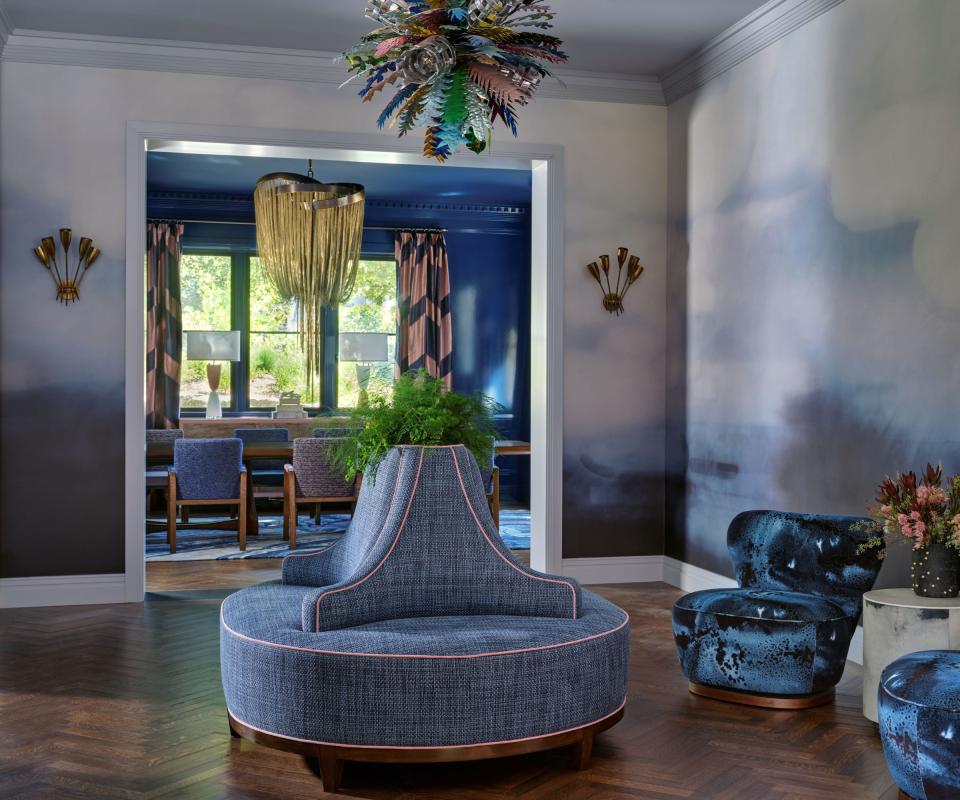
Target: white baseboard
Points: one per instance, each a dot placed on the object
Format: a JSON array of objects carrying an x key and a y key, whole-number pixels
[
  {"x": 62, "y": 590},
  {"x": 693, "y": 579},
  {"x": 623, "y": 569}
]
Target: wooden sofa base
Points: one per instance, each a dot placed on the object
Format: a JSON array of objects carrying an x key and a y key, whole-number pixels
[
  {"x": 782, "y": 702},
  {"x": 332, "y": 757}
]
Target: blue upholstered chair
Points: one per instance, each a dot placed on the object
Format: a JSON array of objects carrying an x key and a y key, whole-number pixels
[
  {"x": 207, "y": 472},
  {"x": 155, "y": 477},
  {"x": 781, "y": 639},
  {"x": 313, "y": 478},
  {"x": 264, "y": 471},
  {"x": 919, "y": 707},
  {"x": 418, "y": 637}
]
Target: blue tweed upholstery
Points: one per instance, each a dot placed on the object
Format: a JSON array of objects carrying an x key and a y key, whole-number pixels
[
  {"x": 339, "y": 695},
  {"x": 919, "y": 707},
  {"x": 208, "y": 469},
  {"x": 163, "y": 435},
  {"x": 438, "y": 553},
  {"x": 330, "y": 433},
  {"x": 787, "y": 630},
  {"x": 265, "y": 471},
  {"x": 434, "y": 641}
]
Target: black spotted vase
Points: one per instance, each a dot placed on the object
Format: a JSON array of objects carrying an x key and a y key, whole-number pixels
[{"x": 935, "y": 571}]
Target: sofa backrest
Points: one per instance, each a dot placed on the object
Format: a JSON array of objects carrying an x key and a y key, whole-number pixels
[{"x": 783, "y": 551}]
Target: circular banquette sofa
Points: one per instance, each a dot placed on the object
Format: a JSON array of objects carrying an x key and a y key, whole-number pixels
[{"x": 419, "y": 637}]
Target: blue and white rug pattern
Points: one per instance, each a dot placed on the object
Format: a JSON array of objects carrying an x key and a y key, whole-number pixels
[{"x": 214, "y": 545}]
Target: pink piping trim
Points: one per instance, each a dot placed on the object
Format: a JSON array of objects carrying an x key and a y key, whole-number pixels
[
  {"x": 439, "y": 747},
  {"x": 476, "y": 519},
  {"x": 626, "y": 619},
  {"x": 403, "y": 523}
]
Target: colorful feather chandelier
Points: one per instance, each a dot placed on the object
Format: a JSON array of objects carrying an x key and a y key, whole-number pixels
[{"x": 457, "y": 66}]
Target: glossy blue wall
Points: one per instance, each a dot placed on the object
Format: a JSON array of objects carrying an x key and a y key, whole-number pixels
[{"x": 488, "y": 245}]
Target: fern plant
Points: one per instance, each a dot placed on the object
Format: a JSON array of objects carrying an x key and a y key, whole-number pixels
[{"x": 420, "y": 411}]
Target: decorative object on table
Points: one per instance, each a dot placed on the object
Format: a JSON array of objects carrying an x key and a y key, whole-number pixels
[
  {"x": 781, "y": 639},
  {"x": 457, "y": 65},
  {"x": 66, "y": 279},
  {"x": 919, "y": 708},
  {"x": 613, "y": 294},
  {"x": 479, "y": 655},
  {"x": 308, "y": 238},
  {"x": 897, "y": 622},
  {"x": 420, "y": 410},
  {"x": 364, "y": 349},
  {"x": 424, "y": 304},
  {"x": 213, "y": 346},
  {"x": 289, "y": 406},
  {"x": 921, "y": 513}
]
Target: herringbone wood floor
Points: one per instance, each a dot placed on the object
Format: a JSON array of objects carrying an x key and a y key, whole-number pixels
[{"x": 125, "y": 702}]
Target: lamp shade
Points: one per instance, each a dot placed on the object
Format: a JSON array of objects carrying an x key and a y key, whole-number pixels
[
  {"x": 363, "y": 347},
  {"x": 213, "y": 345}
]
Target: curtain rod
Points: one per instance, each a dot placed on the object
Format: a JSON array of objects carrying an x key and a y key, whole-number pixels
[{"x": 232, "y": 222}]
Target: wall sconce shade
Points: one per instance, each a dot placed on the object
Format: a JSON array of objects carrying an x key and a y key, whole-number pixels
[
  {"x": 66, "y": 280},
  {"x": 368, "y": 347},
  {"x": 613, "y": 294},
  {"x": 213, "y": 345}
]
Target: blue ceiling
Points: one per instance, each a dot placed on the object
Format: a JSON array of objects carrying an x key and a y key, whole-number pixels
[{"x": 178, "y": 172}]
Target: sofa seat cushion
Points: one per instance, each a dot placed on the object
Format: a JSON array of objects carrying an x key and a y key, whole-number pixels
[
  {"x": 762, "y": 605},
  {"x": 419, "y": 682},
  {"x": 919, "y": 708},
  {"x": 763, "y": 642}
]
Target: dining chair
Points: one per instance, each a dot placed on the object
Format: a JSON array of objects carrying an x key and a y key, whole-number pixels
[
  {"x": 491, "y": 485},
  {"x": 313, "y": 478},
  {"x": 155, "y": 477},
  {"x": 207, "y": 472},
  {"x": 264, "y": 471}
]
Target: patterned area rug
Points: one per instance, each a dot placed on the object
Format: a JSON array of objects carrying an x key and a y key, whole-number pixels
[{"x": 201, "y": 545}]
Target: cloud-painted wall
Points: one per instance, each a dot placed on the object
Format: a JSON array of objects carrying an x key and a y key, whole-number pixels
[
  {"x": 61, "y": 384},
  {"x": 814, "y": 286}
]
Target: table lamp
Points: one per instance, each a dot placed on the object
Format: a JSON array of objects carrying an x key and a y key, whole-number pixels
[
  {"x": 213, "y": 346},
  {"x": 365, "y": 349}
]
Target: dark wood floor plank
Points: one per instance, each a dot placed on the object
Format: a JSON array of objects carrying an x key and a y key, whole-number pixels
[{"x": 125, "y": 702}]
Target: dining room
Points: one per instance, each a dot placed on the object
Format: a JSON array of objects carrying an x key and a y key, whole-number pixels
[{"x": 241, "y": 370}]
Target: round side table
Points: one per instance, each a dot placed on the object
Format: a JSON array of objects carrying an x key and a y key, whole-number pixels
[{"x": 897, "y": 622}]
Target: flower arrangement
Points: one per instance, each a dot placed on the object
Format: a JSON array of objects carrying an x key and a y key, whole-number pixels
[
  {"x": 919, "y": 511},
  {"x": 419, "y": 411},
  {"x": 458, "y": 66}
]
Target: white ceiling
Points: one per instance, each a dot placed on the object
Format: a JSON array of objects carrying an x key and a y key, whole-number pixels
[{"x": 634, "y": 37}]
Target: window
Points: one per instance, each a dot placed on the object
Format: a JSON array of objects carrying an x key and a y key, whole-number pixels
[
  {"x": 276, "y": 357},
  {"x": 230, "y": 291},
  {"x": 372, "y": 309},
  {"x": 205, "y": 304}
]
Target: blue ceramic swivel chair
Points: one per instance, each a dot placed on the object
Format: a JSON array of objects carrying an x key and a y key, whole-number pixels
[{"x": 781, "y": 639}]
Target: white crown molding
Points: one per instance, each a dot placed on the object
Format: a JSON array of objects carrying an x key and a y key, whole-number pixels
[
  {"x": 63, "y": 590},
  {"x": 765, "y": 26},
  {"x": 42, "y": 47}
]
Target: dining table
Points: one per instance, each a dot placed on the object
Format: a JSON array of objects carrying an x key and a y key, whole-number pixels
[{"x": 158, "y": 453}]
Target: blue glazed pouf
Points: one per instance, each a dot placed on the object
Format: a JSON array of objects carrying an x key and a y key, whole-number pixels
[
  {"x": 919, "y": 707},
  {"x": 784, "y": 633}
]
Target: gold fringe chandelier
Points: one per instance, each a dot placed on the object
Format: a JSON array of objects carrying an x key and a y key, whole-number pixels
[{"x": 308, "y": 236}]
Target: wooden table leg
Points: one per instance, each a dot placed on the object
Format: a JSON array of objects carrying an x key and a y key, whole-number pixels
[{"x": 253, "y": 522}]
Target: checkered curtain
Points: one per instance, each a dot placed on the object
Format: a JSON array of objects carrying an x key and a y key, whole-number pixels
[
  {"x": 164, "y": 324},
  {"x": 425, "y": 327}
]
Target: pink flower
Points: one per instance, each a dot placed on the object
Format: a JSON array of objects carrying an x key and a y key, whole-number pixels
[{"x": 931, "y": 495}]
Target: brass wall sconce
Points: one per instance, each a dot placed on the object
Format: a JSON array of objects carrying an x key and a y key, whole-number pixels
[
  {"x": 67, "y": 282},
  {"x": 613, "y": 294}
]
